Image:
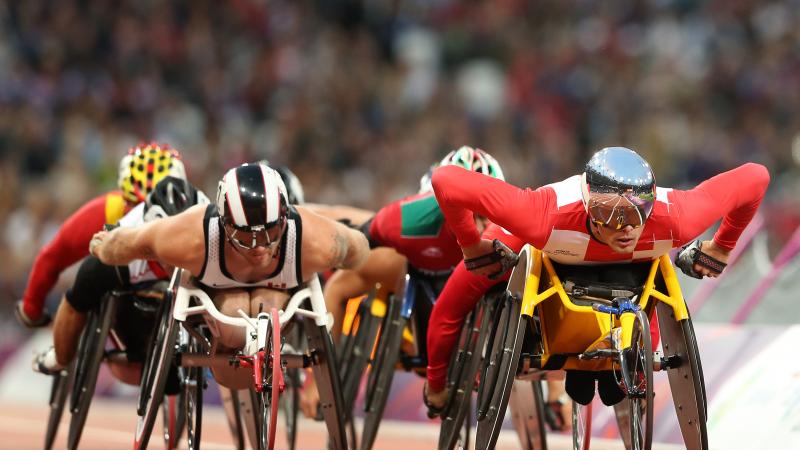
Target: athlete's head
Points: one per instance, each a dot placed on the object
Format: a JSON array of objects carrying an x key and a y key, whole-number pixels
[
  {"x": 467, "y": 157},
  {"x": 144, "y": 166},
  {"x": 253, "y": 207},
  {"x": 171, "y": 196},
  {"x": 618, "y": 192}
]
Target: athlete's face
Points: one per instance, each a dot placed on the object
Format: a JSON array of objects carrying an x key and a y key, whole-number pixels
[{"x": 621, "y": 241}]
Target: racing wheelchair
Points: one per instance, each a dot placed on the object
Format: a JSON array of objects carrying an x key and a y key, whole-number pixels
[
  {"x": 117, "y": 330},
  {"x": 383, "y": 332},
  {"x": 187, "y": 318},
  {"x": 584, "y": 323}
]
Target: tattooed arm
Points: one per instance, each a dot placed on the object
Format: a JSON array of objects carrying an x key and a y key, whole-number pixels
[
  {"x": 175, "y": 241},
  {"x": 328, "y": 244}
]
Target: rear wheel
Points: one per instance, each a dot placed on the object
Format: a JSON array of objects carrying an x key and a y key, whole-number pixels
[
  {"x": 62, "y": 382},
  {"x": 91, "y": 350},
  {"x": 686, "y": 380},
  {"x": 193, "y": 383},
  {"x": 528, "y": 415},
  {"x": 381, "y": 374},
  {"x": 508, "y": 345},
  {"x": 456, "y": 419},
  {"x": 158, "y": 365},
  {"x": 327, "y": 377}
]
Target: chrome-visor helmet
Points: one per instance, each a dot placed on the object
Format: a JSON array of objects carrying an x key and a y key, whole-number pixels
[{"x": 618, "y": 188}]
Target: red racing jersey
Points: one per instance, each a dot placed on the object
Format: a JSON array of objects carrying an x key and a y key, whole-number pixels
[
  {"x": 563, "y": 234},
  {"x": 553, "y": 219},
  {"x": 415, "y": 227},
  {"x": 69, "y": 245}
]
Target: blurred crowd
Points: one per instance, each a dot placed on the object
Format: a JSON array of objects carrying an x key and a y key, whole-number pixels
[{"x": 360, "y": 97}]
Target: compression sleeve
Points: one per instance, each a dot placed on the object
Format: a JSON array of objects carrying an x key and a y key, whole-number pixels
[
  {"x": 523, "y": 212},
  {"x": 733, "y": 196},
  {"x": 70, "y": 244}
]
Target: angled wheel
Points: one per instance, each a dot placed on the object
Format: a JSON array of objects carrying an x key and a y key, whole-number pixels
[
  {"x": 327, "y": 378},
  {"x": 290, "y": 399},
  {"x": 581, "y": 426},
  {"x": 508, "y": 344},
  {"x": 461, "y": 375},
  {"x": 91, "y": 350},
  {"x": 174, "y": 419},
  {"x": 528, "y": 415},
  {"x": 637, "y": 376},
  {"x": 491, "y": 353},
  {"x": 381, "y": 374},
  {"x": 193, "y": 383},
  {"x": 233, "y": 415},
  {"x": 157, "y": 367},
  {"x": 686, "y": 380},
  {"x": 59, "y": 388}
]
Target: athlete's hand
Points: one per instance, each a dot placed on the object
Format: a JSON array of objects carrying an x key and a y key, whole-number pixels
[
  {"x": 29, "y": 321},
  {"x": 96, "y": 241},
  {"x": 483, "y": 247},
  {"x": 713, "y": 250}
]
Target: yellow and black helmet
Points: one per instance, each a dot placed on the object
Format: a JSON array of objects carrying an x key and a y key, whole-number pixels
[{"x": 144, "y": 166}]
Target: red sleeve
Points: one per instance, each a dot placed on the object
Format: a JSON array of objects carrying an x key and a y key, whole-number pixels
[
  {"x": 733, "y": 196},
  {"x": 460, "y": 192},
  {"x": 69, "y": 245}
]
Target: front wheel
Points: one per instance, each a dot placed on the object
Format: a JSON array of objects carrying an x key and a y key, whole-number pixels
[
  {"x": 581, "y": 426},
  {"x": 637, "y": 376}
]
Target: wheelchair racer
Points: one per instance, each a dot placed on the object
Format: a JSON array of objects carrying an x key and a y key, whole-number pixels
[
  {"x": 249, "y": 249},
  {"x": 170, "y": 196},
  {"x": 407, "y": 235},
  {"x": 139, "y": 171},
  {"x": 612, "y": 213}
]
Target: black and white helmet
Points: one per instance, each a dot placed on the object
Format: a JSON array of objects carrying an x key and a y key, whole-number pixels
[
  {"x": 171, "y": 196},
  {"x": 253, "y": 206}
]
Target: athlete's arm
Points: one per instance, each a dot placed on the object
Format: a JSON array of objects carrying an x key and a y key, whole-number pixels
[
  {"x": 328, "y": 244},
  {"x": 341, "y": 213},
  {"x": 733, "y": 196},
  {"x": 523, "y": 212},
  {"x": 69, "y": 245},
  {"x": 176, "y": 241}
]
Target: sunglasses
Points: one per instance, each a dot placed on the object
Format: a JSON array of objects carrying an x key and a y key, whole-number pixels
[
  {"x": 254, "y": 237},
  {"x": 616, "y": 211}
]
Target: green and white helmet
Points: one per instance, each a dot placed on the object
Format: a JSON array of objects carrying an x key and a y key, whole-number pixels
[{"x": 469, "y": 158}]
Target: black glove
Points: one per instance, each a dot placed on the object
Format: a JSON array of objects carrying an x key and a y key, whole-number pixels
[
  {"x": 691, "y": 254},
  {"x": 26, "y": 321}
]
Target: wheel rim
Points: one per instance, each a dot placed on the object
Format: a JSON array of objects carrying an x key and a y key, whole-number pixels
[
  {"x": 581, "y": 426},
  {"x": 639, "y": 384}
]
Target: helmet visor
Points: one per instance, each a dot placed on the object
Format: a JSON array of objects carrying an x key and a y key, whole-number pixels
[
  {"x": 616, "y": 211},
  {"x": 250, "y": 238}
]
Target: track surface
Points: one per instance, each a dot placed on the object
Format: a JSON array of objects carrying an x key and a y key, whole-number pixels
[{"x": 110, "y": 426}]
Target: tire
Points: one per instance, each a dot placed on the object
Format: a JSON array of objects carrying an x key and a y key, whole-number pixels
[
  {"x": 91, "y": 350},
  {"x": 60, "y": 387},
  {"x": 327, "y": 377},
  {"x": 158, "y": 365},
  {"x": 174, "y": 419},
  {"x": 193, "y": 383},
  {"x": 581, "y": 426},
  {"x": 528, "y": 414},
  {"x": 379, "y": 381},
  {"x": 290, "y": 399},
  {"x": 637, "y": 375},
  {"x": 490, "y": 354},
  {"x": 462, "y": 369},
  {"x": 511, "y": 337},
  {"x": 686, "y": 380}
]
